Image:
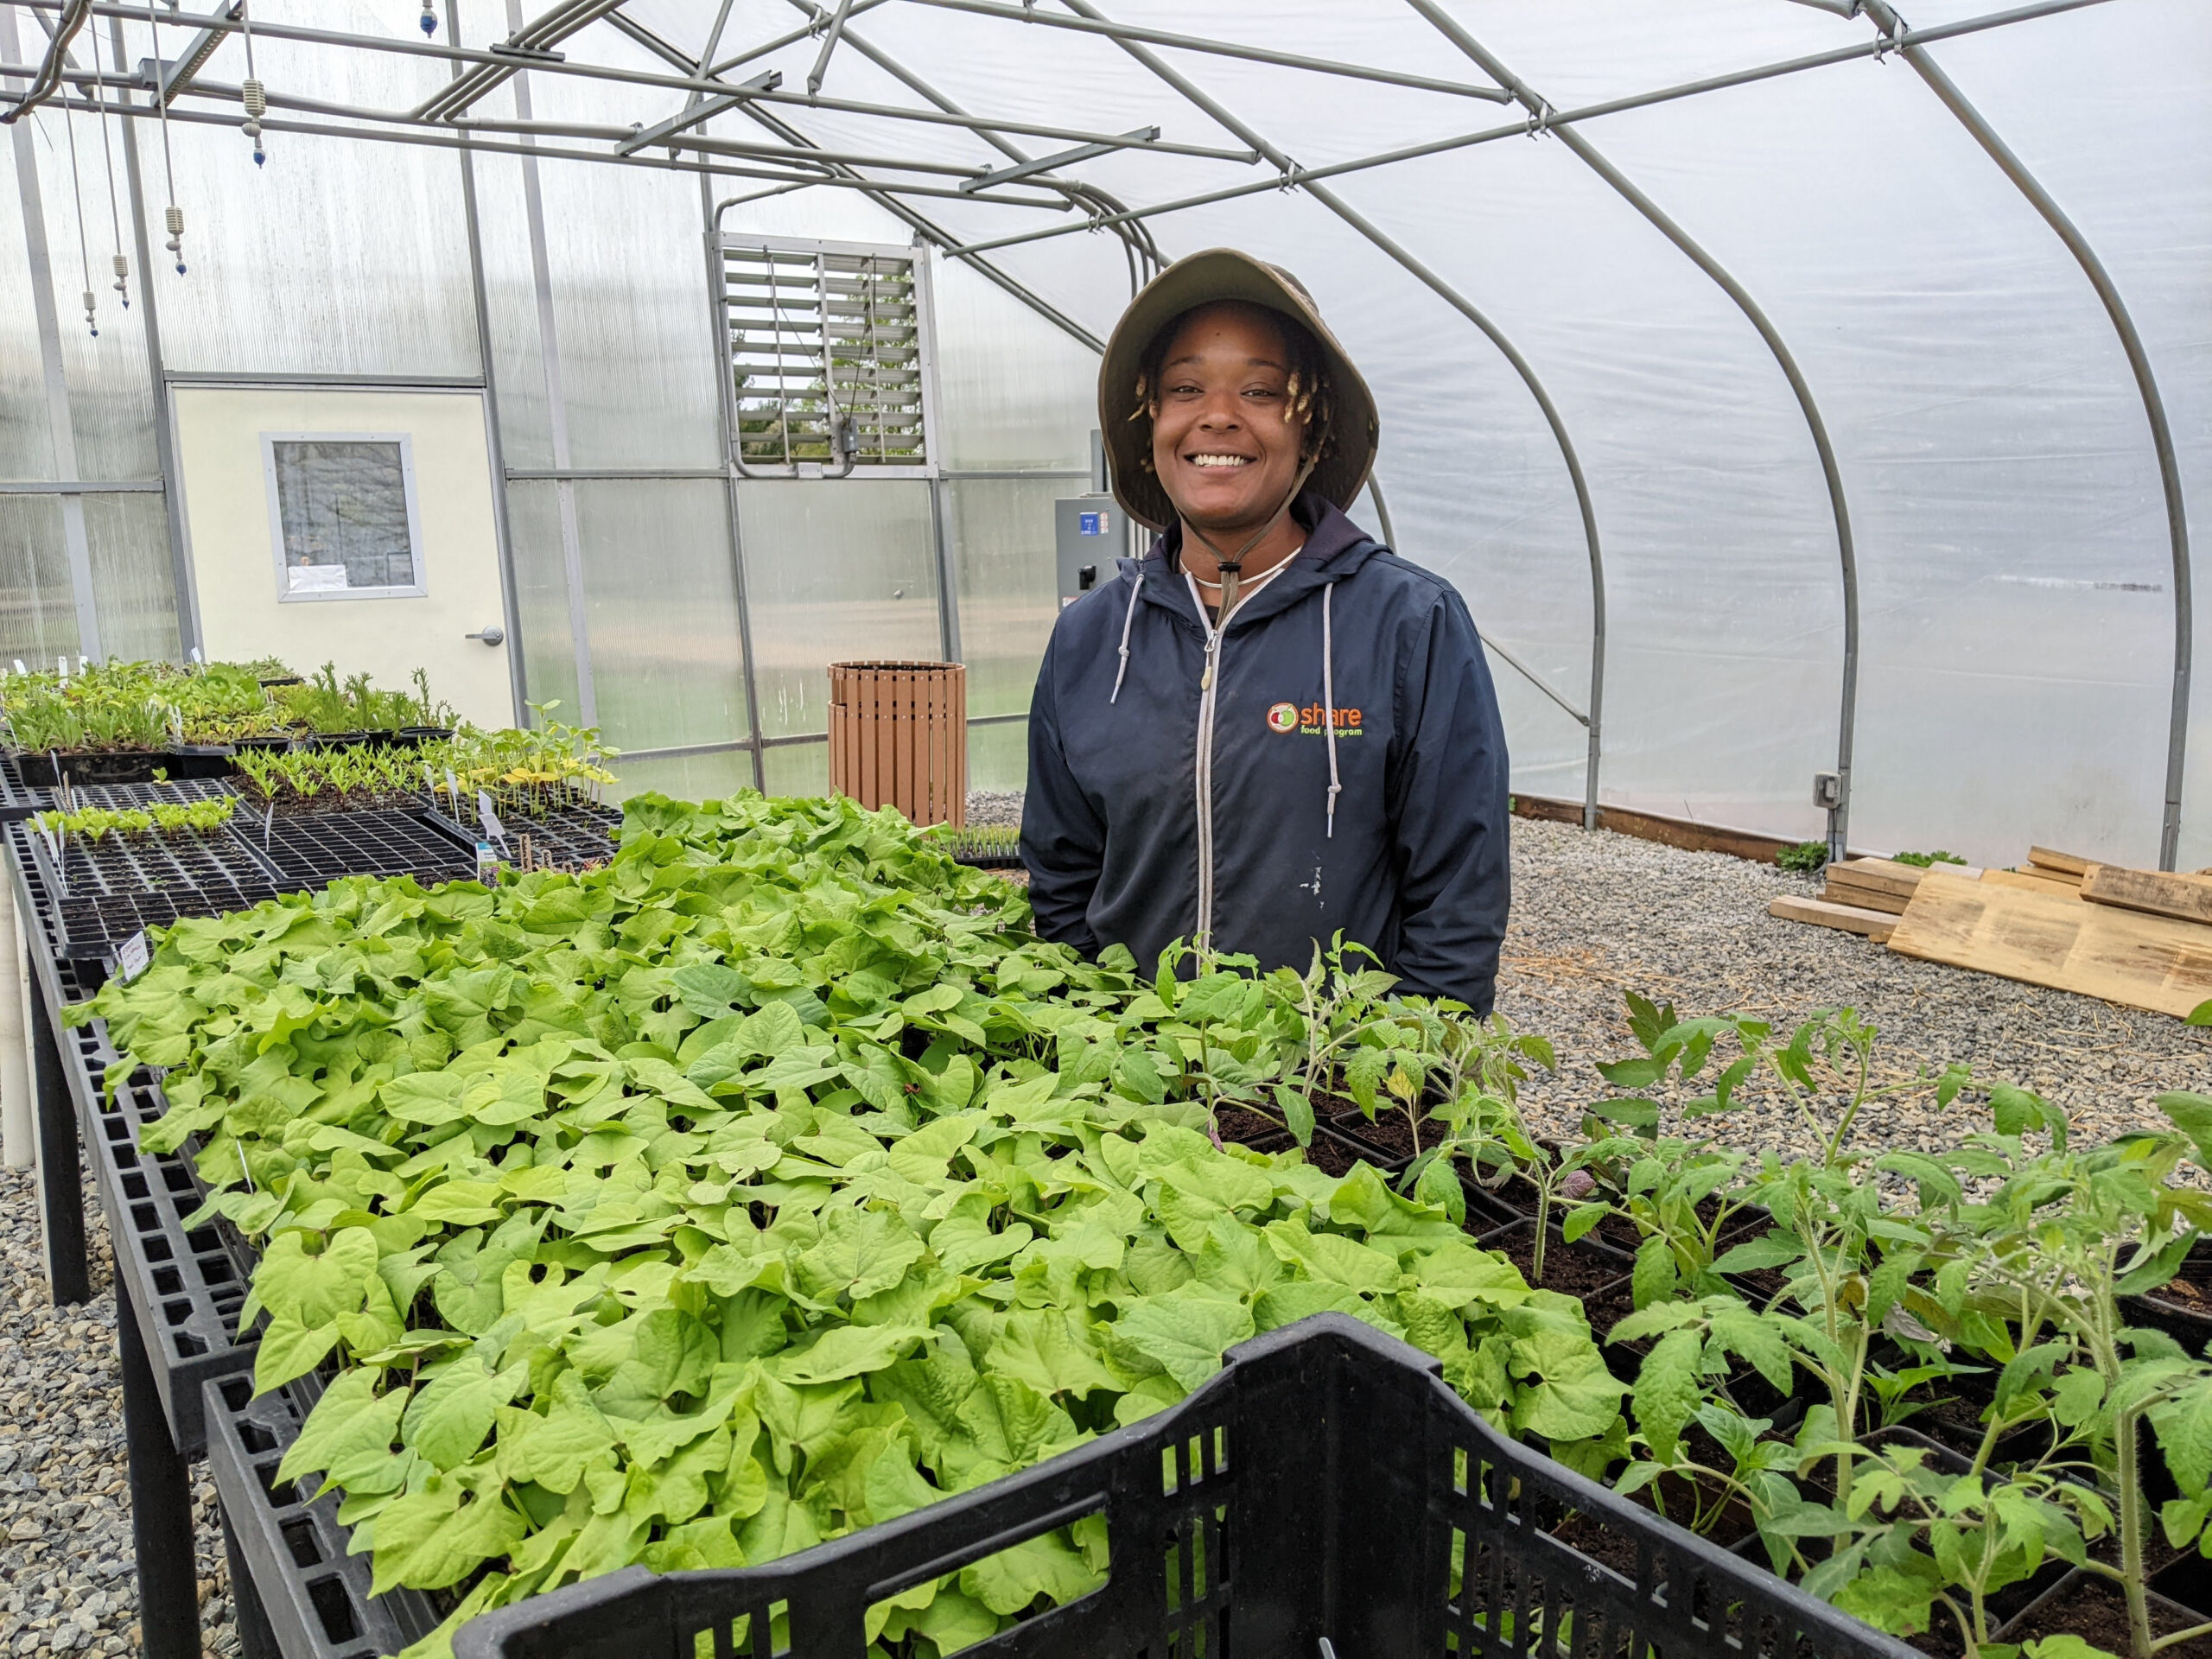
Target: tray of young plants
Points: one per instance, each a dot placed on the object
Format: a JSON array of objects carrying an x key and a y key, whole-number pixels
[
  {"x": 109, "y": 870},
  {"x": 548, "y": 782},
  {"x": 770, "y": 1181}
]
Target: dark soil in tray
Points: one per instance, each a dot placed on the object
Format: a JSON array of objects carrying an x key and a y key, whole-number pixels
[
  {"x": 1389, "y": 1134},
  {"x": 1250, "y": 1128},
  {"x": 1576, "y": 1270},
  {"x": 2093, "y": 1609}
]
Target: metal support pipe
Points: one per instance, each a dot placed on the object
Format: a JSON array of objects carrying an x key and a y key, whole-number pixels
[
  {"x": 160, "y": 1501},
  {"x": 494, "y": 442},
  {"x": 1466, "y": 309},
  {"x": 190, "y": 636},
  {"x": 1135, "y": 235},
  {"x": 1839, "y": 508},
  {"x": 726, "y": 431},
  {"x": 2146, "y": 385},
  {"x": 1128, "y": 34}
]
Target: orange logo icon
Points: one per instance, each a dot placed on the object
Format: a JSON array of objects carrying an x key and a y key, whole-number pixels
[{"x": 1283, "y": 717}]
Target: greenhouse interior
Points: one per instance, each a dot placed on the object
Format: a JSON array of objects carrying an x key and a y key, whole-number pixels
[{"x": 893, "y": 827}]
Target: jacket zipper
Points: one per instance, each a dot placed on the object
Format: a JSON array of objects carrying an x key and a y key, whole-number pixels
[{"x": 1207, "y": 679}]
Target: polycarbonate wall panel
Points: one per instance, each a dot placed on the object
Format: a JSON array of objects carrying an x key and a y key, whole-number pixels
[
  {"x": 686, "y": 776},
  {"x": 111, "y": 386},
  {"x": 24, "y": 451},
  {"x": 511, "y": 305},
  {"x": 1039, "y": 418},
  {"x": 796, "y": 769},
  {"x": 1008, "y": 581},
  {"x": 335, "y": 256},
  {"x": 998, "y": 755},
  {"x": 834, "y": 572},
  {"x": 541, "y": 596},
  {"x": 38, "y": 618},
  {"x": 2068, "y": 95},
  {"x": 2014, "y": 575},
  {"x": 134, "y": 587},
  {"x": 662, "y": 602}
]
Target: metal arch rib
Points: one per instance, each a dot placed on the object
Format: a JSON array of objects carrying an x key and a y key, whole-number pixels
[
  {"x": 930, "y": 230},
  {"x": 1839, "y": 818},
  {"x": 1885, "y": 18},
  {"x": 1136, "y": 236},
  {"x": 1466, "y": 309}
]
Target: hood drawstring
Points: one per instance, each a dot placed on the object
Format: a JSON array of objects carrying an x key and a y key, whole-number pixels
[
  {"x": 1329, "y": 705},
  {"x": 1127, "y": 616}
]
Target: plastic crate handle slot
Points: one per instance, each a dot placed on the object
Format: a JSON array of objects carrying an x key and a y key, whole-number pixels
[{"x": 1006, "y": 1538}]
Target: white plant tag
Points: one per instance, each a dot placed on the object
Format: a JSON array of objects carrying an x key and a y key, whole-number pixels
[
  {"x": 130, "y": 960},
  {"x": 19, "y": 669},
  {"x": 196, "y": 656},
  {"x": 453, "y": 793},
  {"x": 493, "y": 829}
]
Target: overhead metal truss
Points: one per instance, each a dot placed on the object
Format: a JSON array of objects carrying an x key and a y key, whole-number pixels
[{"x": 787, "y": 159}]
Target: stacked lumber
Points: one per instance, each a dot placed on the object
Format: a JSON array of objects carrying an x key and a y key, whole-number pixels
[
  {"x": 1864, "y": 896},
  {"x": 2139, "y": 938}
]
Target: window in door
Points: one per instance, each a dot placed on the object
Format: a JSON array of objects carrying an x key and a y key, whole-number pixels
[{"x": 342, "y": 518}]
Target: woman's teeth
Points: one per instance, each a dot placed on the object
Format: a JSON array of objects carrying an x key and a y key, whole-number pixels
[{"x": 1220, "y": 460}]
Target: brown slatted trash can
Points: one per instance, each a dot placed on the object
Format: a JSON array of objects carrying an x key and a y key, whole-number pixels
[{"x": 899, "y": 737}]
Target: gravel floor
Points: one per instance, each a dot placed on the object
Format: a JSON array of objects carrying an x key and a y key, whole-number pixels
[
  {"x": 67, "y": 1576},
  {"x": 1592, "y": 914},
  {"x": 1596, "y": 914}
]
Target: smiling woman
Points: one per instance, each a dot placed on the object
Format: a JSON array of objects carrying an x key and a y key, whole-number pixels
[{"x": 1270, "y": 731}]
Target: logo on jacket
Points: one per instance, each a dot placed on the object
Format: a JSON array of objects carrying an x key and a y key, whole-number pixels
[{"x": 1283, "y": 717}]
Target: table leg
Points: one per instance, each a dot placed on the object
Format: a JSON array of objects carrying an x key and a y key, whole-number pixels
[
  {"x": 60, "y": 1187},
  {"x": 161, "y": 1504},
  {"x": 256, "y": 1640}
]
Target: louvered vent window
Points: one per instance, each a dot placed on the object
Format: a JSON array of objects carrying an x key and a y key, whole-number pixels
[{"x": 827, "y": 355}]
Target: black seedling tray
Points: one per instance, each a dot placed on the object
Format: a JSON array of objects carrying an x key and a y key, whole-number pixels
[
  {"x": 1311, "y": 1498},
  {"x": 99, "y": 893},
  {"x": 294, "y": 1554},
  {"x": 315, "y": 848},
  {"x": 569, "y": 837}
]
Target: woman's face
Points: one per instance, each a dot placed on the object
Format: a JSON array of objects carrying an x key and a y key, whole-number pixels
[{"x": 1224, "y": 454}]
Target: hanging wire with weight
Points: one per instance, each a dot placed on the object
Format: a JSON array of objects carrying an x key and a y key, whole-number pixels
[
  {"x": 77, "y": 196},
  {"x": 174, "y": 216},
  {"x": 251, "y": 91},
  {"x": 107, "y": 148}
]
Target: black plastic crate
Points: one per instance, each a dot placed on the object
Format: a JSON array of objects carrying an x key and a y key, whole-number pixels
[
  {"x": 312, "y": 850},
  {"x": 1317, "y": 1490}
]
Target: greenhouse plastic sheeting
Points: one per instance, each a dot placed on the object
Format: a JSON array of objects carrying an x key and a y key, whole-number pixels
[{"x": 2016, "y": 584}]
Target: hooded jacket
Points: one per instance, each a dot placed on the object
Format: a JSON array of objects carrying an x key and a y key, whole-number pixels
[{"x": 1342, "y": 768}]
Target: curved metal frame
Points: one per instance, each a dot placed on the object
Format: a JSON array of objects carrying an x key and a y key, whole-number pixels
[
  {"x": 1885, "y": 18},
  {"x": 1466, "y": 309},
  {"x": 1538, "y": 108}
]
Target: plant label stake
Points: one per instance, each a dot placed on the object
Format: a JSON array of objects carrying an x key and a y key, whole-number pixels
[
  {"x": 268, "y": 819},
  {"x": 453, "y": 795},
  {"x": 493, "y": 829},
  {"x": 132, "y": 958},
  {"x": 196, "y": 655}
]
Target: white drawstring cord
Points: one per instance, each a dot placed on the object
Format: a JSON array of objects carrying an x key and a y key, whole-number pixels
[
  {"x": 1329, "y": 704},
  {"x": 1127, "y": 616}
]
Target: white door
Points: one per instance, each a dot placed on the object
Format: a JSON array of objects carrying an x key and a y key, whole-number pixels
[{"x": 347, "y": 525}]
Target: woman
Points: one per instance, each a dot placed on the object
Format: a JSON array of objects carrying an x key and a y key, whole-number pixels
[{"x": 1270, "y": 729}]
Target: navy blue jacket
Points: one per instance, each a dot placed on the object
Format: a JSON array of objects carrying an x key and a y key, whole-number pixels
[{"x": 1415, "y": 866}]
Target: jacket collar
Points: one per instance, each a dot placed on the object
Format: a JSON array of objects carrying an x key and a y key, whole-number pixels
[{"x": 1334, "y": 547}]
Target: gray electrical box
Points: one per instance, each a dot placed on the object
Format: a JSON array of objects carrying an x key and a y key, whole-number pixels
[{"x": 1091, "y": 537}]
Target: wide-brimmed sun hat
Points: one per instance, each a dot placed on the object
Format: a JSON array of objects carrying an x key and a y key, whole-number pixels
[{"x": 1202, "y": 279}]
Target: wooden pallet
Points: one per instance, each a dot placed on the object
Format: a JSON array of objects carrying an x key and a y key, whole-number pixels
[{"x": 2098, "y": 949}]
